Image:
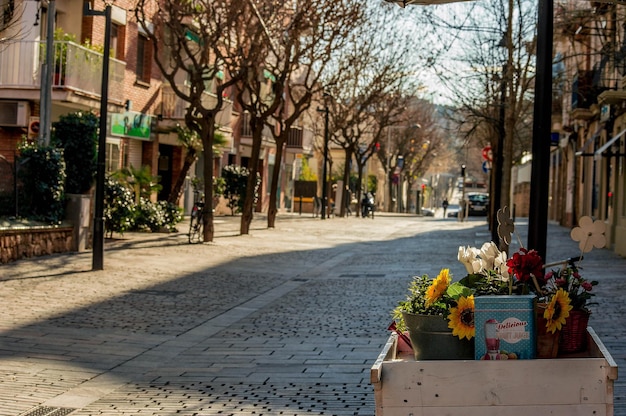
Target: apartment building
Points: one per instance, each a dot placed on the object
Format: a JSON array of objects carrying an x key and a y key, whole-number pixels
[
  {"x": 142, "y": 110},
  {"x": 589, "y": 117}
]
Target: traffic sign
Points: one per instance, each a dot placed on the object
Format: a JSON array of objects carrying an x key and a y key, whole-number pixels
[
  {"x": 486, "y": 166},
  {"x": 487, "y": 154}
]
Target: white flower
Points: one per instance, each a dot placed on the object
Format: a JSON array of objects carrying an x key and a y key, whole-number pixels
[
  {"x": 500, "y": 266},
  {"x": 466, "y": 257},
  {"x": 488, "y": 252}
]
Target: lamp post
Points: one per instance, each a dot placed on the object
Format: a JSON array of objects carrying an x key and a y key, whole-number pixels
[
  {"x": 496, "y": 193},
  {"x": 539, "y": 192},
  {"x": 98, "y": 220},
  {"x": 325, "y": 167},
  {"x": 45, "y": 94}
]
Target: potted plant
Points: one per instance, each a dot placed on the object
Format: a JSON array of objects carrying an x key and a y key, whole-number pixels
[{"x": 439, "y": 314}]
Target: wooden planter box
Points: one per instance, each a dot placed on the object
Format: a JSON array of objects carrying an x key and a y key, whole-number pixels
[{"x": 577, "y": 384}]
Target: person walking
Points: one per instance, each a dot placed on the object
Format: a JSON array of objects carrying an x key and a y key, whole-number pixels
[{"x": 444, "y": 204}]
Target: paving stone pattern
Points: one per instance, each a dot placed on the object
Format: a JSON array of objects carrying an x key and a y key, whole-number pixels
[{"x": 284, "y": 321}]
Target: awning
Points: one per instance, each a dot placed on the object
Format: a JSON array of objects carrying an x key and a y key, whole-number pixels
[
  {"x": 598, "y": 153},
  {"x": 593, "y": 137}
]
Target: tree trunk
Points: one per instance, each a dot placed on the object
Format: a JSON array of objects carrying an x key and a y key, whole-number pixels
[
  {"x": 273, "y": 206},
  {"x": 248, "y": 205},
  {"x": 208, "y": 130},
  {"x": 346, "y": 181},
  {"x": 177, "y": 190}
]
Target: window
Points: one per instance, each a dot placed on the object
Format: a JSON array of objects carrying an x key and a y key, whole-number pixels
[
  {"x": 144, "y": 59},
  {"x": 118, "y": 36},
  {"x": 112, "y": 156}
]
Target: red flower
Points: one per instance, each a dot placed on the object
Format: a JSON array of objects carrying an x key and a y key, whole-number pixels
[
  {"x": 587, "y": 286},
  {"x": 525, "y": 263}
]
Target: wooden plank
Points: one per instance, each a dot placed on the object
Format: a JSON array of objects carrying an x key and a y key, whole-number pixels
[
  {"x": 388, "y": 353},
  {"x": 571, "y": 410},
  {"x": 477, "y": 383},
  {"x": 574, "y": 385}
]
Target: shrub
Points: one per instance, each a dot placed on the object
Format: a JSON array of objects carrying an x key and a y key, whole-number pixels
[
  {"x": 77, "y": 134},
  {"x": 123, "y": 214},
  {"x": 149, "y": 216},
  {"x": 235, "y": 184},
  {"x": 43, "y": 178},
  {"x": 119, "y": 207},
  {"x": 172, "y": 214}
]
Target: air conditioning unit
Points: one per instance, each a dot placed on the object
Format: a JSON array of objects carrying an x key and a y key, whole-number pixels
[{"x": 14, "y": 113}]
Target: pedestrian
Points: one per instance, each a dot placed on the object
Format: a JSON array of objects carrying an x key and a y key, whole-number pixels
[{"x": 444, "y": 204}]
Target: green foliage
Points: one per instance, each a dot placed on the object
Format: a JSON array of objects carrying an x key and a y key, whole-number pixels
[
  {"x": 77, "y": 134},
  {"x": 219, "y": 186},
  {"x": 148, "y": 216},
  {"x": 140, "y": 181},
  {"x": 172, "y": 214},
  {"x": 236, "y": 180},
  {"x": 122, "y": 214},
  {"x": 372, "y": 183},
  {"x": 119, "y": 207},
  {"x": 43, "y": 178},
  {"x": 307, "y": 173}
]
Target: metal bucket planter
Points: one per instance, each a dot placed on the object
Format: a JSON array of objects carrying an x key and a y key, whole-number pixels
[{"x": 433, "y": 340}]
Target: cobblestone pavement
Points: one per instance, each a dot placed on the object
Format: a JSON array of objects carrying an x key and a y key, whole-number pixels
[{"x": 283, "y": 321}]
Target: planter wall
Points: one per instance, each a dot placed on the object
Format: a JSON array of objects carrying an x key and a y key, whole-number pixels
[
  {"x": 20, "y": 243},
  {"x": 580, "y": 384}
]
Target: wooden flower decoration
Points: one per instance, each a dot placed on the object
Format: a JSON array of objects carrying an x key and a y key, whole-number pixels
[
  {"x": 589, "y": 234},
  {"x": 506, "y": 227}
]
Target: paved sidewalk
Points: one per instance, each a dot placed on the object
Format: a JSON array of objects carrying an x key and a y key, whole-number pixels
[{"x": 281, "y": 321}]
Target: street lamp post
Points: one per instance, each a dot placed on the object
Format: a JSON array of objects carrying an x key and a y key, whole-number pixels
[
  {"x": 45, "y": 100},
  {"x": 539, "y": 192},
  {"x": 98, "y": 221}
]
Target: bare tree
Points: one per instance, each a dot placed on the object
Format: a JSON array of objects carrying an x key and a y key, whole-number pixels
[
  {"x": 192, "y": 43},
  {"x": 488, "y": 70},
  {"x": 314, "y": 31},
  {"x": 369, "y": 95}
]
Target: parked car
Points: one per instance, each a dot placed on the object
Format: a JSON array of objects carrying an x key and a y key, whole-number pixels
[
  {"x": 478, "y": 203},
  {"x": 453, "y": 211}
]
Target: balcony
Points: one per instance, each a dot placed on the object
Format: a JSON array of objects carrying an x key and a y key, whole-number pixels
[
  {"x": 294, "y": 141},
  {"x": 77, "y": 71},
  {"x": 174, "y": 107}
]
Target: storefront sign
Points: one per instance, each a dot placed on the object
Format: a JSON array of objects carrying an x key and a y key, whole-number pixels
[{"x": 131, "y": 124}]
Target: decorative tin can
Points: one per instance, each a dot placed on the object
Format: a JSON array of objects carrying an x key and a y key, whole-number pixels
[{"x": 505, "y": 327}]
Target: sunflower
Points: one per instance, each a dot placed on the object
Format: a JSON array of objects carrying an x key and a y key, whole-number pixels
[
  {"x": 557, "y": 311},
  {"x": 438, "y": 287},
  {"x": 461, "y": 318}
]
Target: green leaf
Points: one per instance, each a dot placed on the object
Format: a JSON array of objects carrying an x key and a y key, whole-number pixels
[{"x": 457, "y": 289}]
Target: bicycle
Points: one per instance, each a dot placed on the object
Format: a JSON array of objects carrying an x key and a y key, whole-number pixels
[{"x": 196, "y": 221}]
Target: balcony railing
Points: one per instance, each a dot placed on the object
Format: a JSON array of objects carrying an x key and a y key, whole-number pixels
[
  {"x": 174, "y": 107},
  {"x": 295, "y": 138},
  {"x": 246, "y": 130},
  {"x": 75, "y": 68}
]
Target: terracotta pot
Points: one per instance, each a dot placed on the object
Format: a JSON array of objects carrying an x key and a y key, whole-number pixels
[
  {"x": 547, "y": 342},
  {"x": 431, "y": 339},
  {"x": 574, "y": 333}
]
